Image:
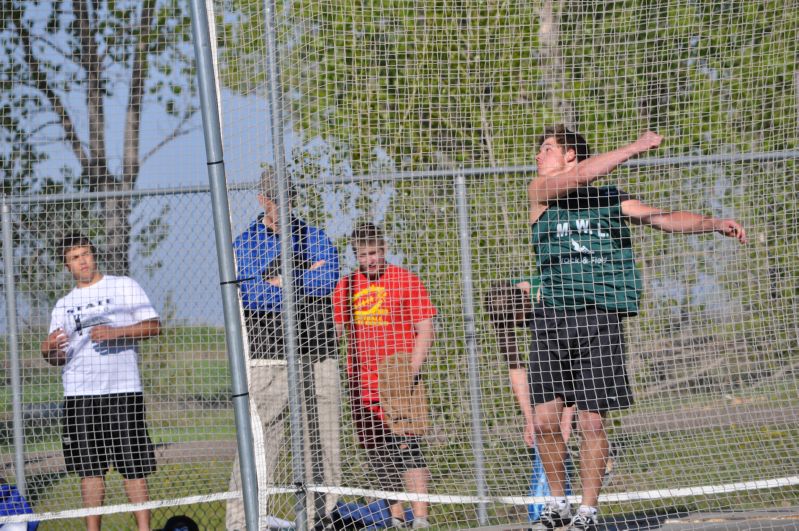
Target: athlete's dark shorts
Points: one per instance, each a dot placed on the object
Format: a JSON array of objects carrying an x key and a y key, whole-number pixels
[
  {"x": 107, "y": 430},
  {"x": 579, "y": 356},
  {"x": 392, "y": 456}
]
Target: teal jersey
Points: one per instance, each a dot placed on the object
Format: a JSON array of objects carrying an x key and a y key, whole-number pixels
[{"x": 584, "y": 252}]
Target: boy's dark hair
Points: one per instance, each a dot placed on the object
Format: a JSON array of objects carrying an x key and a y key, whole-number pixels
[
  {"x": 567, "y": 139},
  {"x": 72, "y": 240},
  {"x": 367, "y": 234},
  {"x": 508, "y": 308},
  {"x": 506, "y": 305},
  {"x": 180, "y": 523}
]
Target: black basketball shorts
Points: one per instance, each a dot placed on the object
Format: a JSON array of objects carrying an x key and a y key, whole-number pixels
[
  {"x": 579, "y": 356},
  {"x": 107, "y": 430},
  {"x": 392, "y": 456}
]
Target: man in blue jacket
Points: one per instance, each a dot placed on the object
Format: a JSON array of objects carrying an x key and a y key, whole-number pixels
[{"x": 315, "y": 273}]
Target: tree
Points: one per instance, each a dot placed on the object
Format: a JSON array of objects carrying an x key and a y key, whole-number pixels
[
  {"x": 18, "y": 159},
  {"x": 424, "y": 85},
  {"x": 55, "y": 49},
  {"x": 553, "y": 73}
]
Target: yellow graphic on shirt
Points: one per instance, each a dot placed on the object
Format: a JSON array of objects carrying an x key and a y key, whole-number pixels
[{"x": 367, "y": 305}]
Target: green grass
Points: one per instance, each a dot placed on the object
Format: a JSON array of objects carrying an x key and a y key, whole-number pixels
[
  {"x": 186, "y": 379},
  {"x": 167, "y": 483},
  {"x": 187, "y": 384},
  {"x": 712, "y": 456}
]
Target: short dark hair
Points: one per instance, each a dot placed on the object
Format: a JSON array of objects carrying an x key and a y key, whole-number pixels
[
  {"x": 567, "y": 139},
  {"x": 73, "y": 240},
  {"x": 367, "y": 233},
  {"x": 505, "y": 303}
]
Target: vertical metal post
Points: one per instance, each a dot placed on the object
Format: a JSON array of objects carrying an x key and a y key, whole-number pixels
[
  {"x": 13, "y": 349},
  {"x": 286, "y": 263},
  {"x": 212, "y": 132},
  {"x": 471, "y": 344}
]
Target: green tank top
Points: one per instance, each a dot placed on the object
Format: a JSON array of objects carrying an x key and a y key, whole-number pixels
[{"x": 584, "y": 252}]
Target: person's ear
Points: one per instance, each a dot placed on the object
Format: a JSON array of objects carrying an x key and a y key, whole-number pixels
[{"x": 571, "y": 155}]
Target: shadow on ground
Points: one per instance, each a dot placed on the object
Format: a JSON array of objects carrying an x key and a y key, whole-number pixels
[{"x": 643, "y": 520}]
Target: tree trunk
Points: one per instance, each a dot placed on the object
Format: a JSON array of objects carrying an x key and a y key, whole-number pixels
[
  {"x": 552, "y": 65},
  {"x": 117, "y": 210}
]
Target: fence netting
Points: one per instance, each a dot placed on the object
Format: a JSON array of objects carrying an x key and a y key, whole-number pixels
[{"x": 410, "y": 130}]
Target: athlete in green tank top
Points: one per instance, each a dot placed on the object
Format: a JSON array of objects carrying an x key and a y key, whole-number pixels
[{"x": 588, "y": 276}]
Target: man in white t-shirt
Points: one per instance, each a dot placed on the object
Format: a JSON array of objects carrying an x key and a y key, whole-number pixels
[{"x": 94, "y": 335}]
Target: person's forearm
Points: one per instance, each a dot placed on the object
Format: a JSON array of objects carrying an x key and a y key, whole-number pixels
[
  {"x": 421, "y": 347},
  {"x": 320, "y": 282},
  {"x": 321, "y": 278},
  {"x": 259, "y": 294},
  {"x": 683, "y": 222},
  {"x": 419, "y": 356},
  {"x": 545, "y": 189},
  {"x": 521, "y": 390},
  {"x": 141, "y": 330}
]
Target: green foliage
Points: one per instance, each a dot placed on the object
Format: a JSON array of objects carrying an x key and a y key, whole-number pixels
[
  {"x": 712, "y": 77},
  {"x": 425, "y": 82},
  {"x": 438, "y": 83}
]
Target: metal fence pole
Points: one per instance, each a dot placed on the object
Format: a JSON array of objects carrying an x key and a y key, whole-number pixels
[
  {"x": 286, "y": 265},
  {"x": 13, "y": 350},
  {"x": 467, "y": 284},
  {"x": 212, "y": 132}
]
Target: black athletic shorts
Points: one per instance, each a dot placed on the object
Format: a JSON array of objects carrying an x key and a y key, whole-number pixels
[
  {"x": 579, "y": 356},
  {"x": 392, "y": 456},
  {"x": 107, "y": 430}
]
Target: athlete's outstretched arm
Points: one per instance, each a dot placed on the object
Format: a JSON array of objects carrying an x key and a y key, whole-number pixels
[
  {"x": 544, "y": 189},
  {"x": 681, "y": 221}
]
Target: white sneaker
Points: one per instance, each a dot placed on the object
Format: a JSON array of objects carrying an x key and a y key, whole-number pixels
[
  {"x": 584, "y": 520},
  {"x": 554, "y": 516},
  {"x": 420, "y": 523}
]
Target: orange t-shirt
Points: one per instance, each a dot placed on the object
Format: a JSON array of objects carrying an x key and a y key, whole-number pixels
[{"x": 384, "y": 312}]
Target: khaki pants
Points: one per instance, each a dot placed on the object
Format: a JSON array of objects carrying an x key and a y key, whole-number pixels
[{"x": 268, "y": 388}]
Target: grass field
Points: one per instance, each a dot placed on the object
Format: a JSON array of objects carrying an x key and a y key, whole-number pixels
[{"x": 186, "y": 380}]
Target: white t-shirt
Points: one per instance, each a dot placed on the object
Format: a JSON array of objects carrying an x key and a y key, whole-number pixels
[{"x": 101, "y": 368}]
